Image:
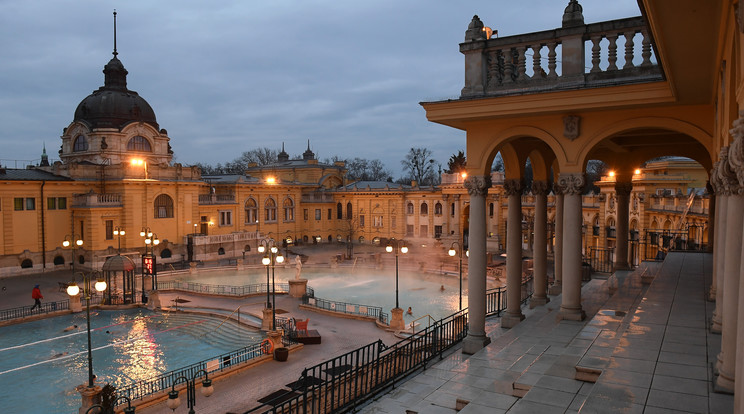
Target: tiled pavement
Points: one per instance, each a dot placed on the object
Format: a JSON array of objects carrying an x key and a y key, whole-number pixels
[{"x": 650, "y": 344}]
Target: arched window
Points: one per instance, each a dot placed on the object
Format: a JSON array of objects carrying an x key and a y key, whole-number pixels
[
  {"x": 288, "y": 209},
  {"x": 270, "y": 209},
  {"x": 163, "y": 206},
  {"x": 220, "y": 251},
  {"x": 339, "y": 211},
  {"x": 424, "y": 209},
  {"x": 139, "y": 143},
  {"x": 247, "y": 248},
  {"x": 166, "y": 253},
  {"x": 438, "y": 209},
  {"x": 409, "y": 208},
  {"x": 27, "y": 263},
  {"x": 349, "y": 214},
  {"x": 59, "y": 260},
  {"x": 251, "y": 211},
  {"x": 81, "y": 144},
  {"x": 490, "y": 209}
]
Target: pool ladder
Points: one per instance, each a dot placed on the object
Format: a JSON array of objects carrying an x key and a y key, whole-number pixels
[
  {"x": 429, "y": 321},
  {"x": 237, "y": 310}
]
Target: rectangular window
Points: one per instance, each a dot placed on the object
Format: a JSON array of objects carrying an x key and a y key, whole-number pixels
[
  {"x": 377, "y": 221},
  {"x": 61, "y": 203},
  {"x": 226, "y": 218},
  {"x": 452, "y": 209},
  {"x": 18, "y": 203},
  {"x": 318, "y": 215},
  {"x": 51, "y": 203},
  {"x": 409, "y": 230},
  {"x": 437, "y": 232},
  {"x": 330, "y": 214},
  {"x": 424, "y": 231},
  {"x": 30, "y": 204},
  {"x": 109, "y": 229},
  {"x": 305, "y": 214},
  {"x": 361, "y": 220}
]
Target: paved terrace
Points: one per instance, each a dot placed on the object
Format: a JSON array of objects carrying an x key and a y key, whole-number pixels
[{"x": 650, "y": 343}]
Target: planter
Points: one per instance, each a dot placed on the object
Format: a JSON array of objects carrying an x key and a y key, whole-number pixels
[{"x": 281, "y": 354}]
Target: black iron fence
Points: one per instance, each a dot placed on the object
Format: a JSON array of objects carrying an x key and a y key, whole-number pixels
[
  {"x": 25, "y": 311},
  {"x": 165, "y": 381},
  {"x": 226, "y": 290},
  {"x": 347, "y": 308},
  {"x": 601, "y": 259},
  {"x": 656, "y": 243},
  {"x": 342, "y": 383}
]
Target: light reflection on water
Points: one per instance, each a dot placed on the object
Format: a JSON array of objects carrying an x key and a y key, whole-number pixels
[
  {"x": 40, "y": 364},
  {"x": 421, "y": 291}
]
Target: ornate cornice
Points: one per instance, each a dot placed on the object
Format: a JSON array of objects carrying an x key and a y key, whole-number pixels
[
  {"x": 513, "y": 186},
  {"x": 478, "y": 185},
  {"x": 571, "y": 184},
  {"x": 623, "y": 188},
  {"x": 540, "y": 188}
]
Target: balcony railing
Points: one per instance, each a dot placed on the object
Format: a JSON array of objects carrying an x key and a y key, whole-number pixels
[
  {"x": 207, "y": 199},
  {"x": 556, "y": 59},
  {"x": 317, "y": 198},
  {"x": 91, "y": 200}
]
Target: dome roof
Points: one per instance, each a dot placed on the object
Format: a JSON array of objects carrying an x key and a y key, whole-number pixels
[
  {"x": 118, "y": 263},
  {"x": 113, "y": 105}
]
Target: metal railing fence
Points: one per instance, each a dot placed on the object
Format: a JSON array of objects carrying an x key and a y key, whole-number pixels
[
  {"x": 347, "y": 308},
  {"x": 25, "y": 311}
]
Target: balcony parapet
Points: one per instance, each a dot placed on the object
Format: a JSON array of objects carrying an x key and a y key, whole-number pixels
[
  {"x": 209, "y": 199},
  {"x": 317, "y": 198},
  {"x": 94, "y": 200},
  {"x": 499, "y": 66}
]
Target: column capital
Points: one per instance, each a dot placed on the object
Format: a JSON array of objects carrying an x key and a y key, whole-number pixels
[
  {"x": 726, "y": 177},
  {"x": 540, "y": 187},
  {"x": 513, "y": 186},
  {"x": 571, "y": 183},
  {"x": 736, "y": 152},
  {"x": 478, "y": 185},
  {"x": 623, "y": 188}
]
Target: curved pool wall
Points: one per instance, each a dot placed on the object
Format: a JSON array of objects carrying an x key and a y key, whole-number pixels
[
  {"x": 41, "y": 364},
  {"x": 366, "y": 286}
]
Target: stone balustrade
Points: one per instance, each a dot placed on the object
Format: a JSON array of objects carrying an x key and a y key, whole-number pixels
[
  {"x": 583, "y": 56},
  {"x": 91, "y": 200},
  {"x": 208, "y": 199}
]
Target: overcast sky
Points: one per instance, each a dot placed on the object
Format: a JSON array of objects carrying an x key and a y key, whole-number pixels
[{"x": 225, "y": 77}]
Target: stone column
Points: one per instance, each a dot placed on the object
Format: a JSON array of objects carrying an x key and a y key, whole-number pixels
[
  {"x": 623, "y": 190},
  {"x": 90, "y": 396},
  {"x": 557, "y": 286},
  {"x": 719, "y": 247},
  {"x": 540, "y": 296},
  {"x": 513, "y": 314},
  {"x": 731, "y": 266},
  {"x": 711, "y": 216},
  {"x": 477, "y": 187},
  {"x": 572, "y": 186}
]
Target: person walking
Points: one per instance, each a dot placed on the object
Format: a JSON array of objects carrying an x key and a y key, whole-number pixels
[{"x": 37, "y": 296}]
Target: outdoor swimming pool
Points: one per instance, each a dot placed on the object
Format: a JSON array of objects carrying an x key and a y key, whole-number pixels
[
  {"x": 41, "y": 364},
  {"x": 420, "y": 291}
]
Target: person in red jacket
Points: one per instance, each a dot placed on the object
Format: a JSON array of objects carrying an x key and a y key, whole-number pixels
[{"x": 36, "y": 295}]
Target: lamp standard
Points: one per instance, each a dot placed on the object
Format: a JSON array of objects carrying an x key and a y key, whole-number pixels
[
  {"x": 149, "y": 264},
  {"x": 272, "y": 255},
  {"x": 452, "y": 252},
  {"x": 73, "y": 290},
  {"x": 73, "y": 241},
  {"x": 398, "y": 246},
  {"x": 118, "y": 232},
  {"x": 207, "y": 390}
]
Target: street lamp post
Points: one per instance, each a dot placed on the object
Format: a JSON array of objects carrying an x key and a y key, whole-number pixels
[
  {"x": 452, "y": 252},
  {"x": 396, "y": 321},
  {"x": 118, "y": 232},
  {"x": 207, "y": 390},
  {"x": 74, "y": 242},
  {"x": 73, "y": 290},
  {"x": 272, "y": 255}
]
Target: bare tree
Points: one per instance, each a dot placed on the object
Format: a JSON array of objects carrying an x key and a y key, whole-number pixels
[{"x": 420, "y": 166}]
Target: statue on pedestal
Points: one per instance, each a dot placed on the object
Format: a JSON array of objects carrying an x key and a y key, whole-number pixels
[{"x": 298, "y": 261}]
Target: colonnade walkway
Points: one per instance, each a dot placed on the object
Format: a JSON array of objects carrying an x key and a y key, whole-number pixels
[{"x": 649, "y": 345}]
